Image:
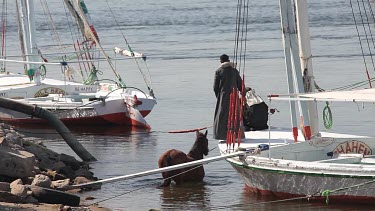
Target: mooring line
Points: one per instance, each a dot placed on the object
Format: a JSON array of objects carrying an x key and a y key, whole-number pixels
[
  {"x": 261, "y": 203},
  {"x": 189, "y": 130},
  {"x": 144, "y": 186},
  {"x": 151, "y": 183},
  {"x": 130, "y": 132},
  {"x": 327, "y": 193}
]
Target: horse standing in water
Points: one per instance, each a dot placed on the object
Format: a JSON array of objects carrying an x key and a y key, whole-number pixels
[{"x": 174, "y": 157}]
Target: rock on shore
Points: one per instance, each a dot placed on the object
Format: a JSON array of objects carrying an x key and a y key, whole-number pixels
[{"x": 31, "y": 173}]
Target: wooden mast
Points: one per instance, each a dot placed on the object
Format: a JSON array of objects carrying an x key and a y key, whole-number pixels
[
  {"x": 292, "y": 46},
  {"x": 306, "y": 61},
  {"x": 28, "y": 27}
]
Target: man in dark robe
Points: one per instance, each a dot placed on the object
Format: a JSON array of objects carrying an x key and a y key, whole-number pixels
[{"x": 227, "y": 77}]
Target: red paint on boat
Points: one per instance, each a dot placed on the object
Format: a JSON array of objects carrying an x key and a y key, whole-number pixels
[
  {"x": 115, "y": 119},
  {"x": 333, "y": 199},
  {"x": 145, "y": 112}
]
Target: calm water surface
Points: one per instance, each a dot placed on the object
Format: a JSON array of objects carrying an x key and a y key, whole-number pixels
[{"x": 183, "y": 41}]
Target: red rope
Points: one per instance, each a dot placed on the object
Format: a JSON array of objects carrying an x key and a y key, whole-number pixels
[
  {"x": 368, "y": 77},
  {"x": 235, "y": 125},
  {"x": 78, "y": 55},
  {"x": 84, "y": 64},
  {"x": 229, "y": 124},
  {"x": 187, "y": 131},
  {"x": 87, "y": 58}
]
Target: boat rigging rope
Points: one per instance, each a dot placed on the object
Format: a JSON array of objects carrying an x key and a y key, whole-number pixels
[
  {"x": 234, "y": 124},
  {"x": 360, "y": 42},
  {"x": 75, "y": 36},
  {"x": 353, "y": 86},
  {"x": 237, "y": 34},
  {"x": 4, "y": 13},
  {"x": 52, "y": 24},
  {"x": 241, "y": 34},
  {"x": 364, "y": 24},
  {"x": 149, "y": 81},
  {"x": 21, "y": 37},
  {"x": 94, "y": 38}
]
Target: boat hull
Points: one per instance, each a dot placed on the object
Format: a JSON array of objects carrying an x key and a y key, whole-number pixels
[
  {"x": 284, "y": 184},
  {"x": 338, "y": 164},
  {"x": 113, "y": 111},
  {"x": 69, "y": 101}
]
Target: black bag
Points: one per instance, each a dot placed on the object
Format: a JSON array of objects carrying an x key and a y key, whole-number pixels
[{"x": 255, "y": 117}]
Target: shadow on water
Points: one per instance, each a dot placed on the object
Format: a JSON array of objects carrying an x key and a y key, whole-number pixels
[{"x": 91, "y": 136}]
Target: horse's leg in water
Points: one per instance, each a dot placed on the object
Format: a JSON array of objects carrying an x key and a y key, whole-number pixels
[
  {"x": 164, "y": 161},
  {"x": 166, "y": 182},
  {"x": 170, "y": 158},
  {"x": 179, "y": 178}
]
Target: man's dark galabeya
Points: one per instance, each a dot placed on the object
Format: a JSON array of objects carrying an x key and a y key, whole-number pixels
[{"x": 227, "y": 77}]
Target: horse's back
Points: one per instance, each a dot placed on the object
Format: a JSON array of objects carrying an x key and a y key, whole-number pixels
[{"x": 172, "y": 157}]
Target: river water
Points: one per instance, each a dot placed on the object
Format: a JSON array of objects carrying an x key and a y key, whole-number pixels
[{"x": 183, "y": 40}]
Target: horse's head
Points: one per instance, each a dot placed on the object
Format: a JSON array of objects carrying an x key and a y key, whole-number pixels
[{"x": 202, "y": 142}]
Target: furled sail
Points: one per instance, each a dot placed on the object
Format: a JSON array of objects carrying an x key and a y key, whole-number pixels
[
  {"x": 74, "y": 9},
  {"x": 81, "y": 9}
]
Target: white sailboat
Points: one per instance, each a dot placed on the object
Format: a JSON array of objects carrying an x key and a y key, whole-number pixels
[
  {"x": 306, "y": 163},
  {"x": 89, "y": 101}
]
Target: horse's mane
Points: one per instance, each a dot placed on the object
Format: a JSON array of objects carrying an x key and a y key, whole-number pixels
[
  {"x": 197, "y": 146},
  {"x": 197, "y": 142}
]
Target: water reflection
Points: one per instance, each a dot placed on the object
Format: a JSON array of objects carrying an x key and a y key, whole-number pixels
[
  {"x": 87, "y": 134},
  {"x": 102, "y": 142},
  {"x": 185, "y": 197},
  {"x": 108, "y": 130},
  {"x": 255, "y": 201}
]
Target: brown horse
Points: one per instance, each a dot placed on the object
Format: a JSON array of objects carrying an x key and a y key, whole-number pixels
[{"x": 174, "y": 157}]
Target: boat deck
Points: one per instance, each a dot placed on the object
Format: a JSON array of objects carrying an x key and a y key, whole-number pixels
[
  {"x": 278, "y": 136},
  {"x": 22, "y": 81}
]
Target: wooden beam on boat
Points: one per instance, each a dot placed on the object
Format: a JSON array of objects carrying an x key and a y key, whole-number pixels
[{"x": 165, "y": 169}]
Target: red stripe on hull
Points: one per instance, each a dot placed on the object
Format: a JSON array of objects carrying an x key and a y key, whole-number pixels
[
  {"x": 115, "y": 119},
  {"x": 145, "y": 112},
  {"x": 333, "y": 199}
]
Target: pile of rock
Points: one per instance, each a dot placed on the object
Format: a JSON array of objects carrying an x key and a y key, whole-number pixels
[{"x": 31, "y": 173}]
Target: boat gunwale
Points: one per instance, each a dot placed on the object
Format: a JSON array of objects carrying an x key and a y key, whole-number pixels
[{"x": 284, "y": 169}]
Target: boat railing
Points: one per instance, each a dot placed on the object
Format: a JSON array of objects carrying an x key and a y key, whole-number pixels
[
  {"x": 137, "y": 92},
  {"x": 351, "y": 158}
]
